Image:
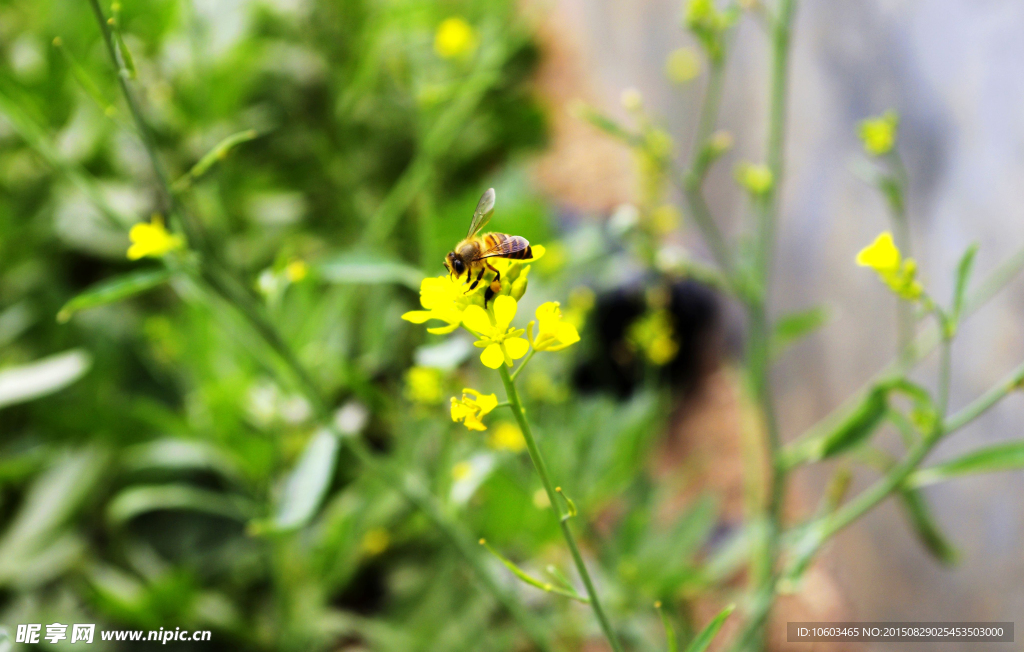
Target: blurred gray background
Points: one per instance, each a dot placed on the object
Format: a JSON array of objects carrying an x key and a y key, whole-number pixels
[{"x": 954, "y": 70}]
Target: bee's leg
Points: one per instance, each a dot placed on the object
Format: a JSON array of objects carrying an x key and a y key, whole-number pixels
[
  {"x": 477, "y": 280},
  {"x": 496, "y": 283}
]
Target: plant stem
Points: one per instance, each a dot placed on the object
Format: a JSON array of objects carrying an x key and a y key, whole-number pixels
[
  {"x": 759, "y": 360},
  {"x": 984, "y": 402},
  {"x": 692, "y": 180},
  {"x": 549, "y": 487}
]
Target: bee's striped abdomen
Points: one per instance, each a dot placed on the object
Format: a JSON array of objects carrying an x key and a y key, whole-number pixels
[{"x": 500, "y": 245}]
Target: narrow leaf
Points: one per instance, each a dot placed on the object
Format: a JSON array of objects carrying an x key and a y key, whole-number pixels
[
  {"x": 218, "y": 153},
  {"x": 358, "y": 267},
  {"x": 533, "y": 581},
  {"x": 179, "y": 455},
  {"x": 795, "y": 326},
  {"x": 1007, "y": 456},
  {"x": 703, "y": 640},
  {"x": 114, "y": 290},
  {"x": 670, "y": 632},
  {"x": 858, "y": 426},
  {"x": 136, "y": 501},
  {"x": 963, "y": 277},
  {"x": 42, "y": 377},
  {"x": 603, "y": 123},
  {"x": 308, "y": 483},
  {"x": 925, "y": 527}
]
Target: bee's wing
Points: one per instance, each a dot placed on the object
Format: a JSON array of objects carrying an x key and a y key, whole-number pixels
[
  {"x": 483, "y": 212},
  {"x": 507, "y": 247}
]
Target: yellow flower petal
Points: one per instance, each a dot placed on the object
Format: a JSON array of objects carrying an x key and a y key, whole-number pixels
[
  {"x": 415, "y": 316},
  {"x": 476, "y": 319},
  {"x": 492, "y": 356},
  {"x": 504, "y": 308},
  {"x": 881, "y": 255},
  {"x": 516, "y": 347}
]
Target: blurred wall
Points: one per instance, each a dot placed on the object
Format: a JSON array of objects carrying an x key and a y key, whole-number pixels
[{"x": 952, "y": 70}]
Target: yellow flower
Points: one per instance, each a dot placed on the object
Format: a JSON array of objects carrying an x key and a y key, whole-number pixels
[
  {"x": 881, "y": 255},
  {"x": 444, "y": 298},
  {"x": 900, "y": 275},
  {"x": 296, "y": 270},
  {"x": 553, "y": 334},
  {"x": 500, "y": 342},
  {"x": 472, "y": 407},
  {"x": 879, "y": 134},
  {"x": 507, "y": 437},
  {"x": 682, "y": 65},
  {"x": 655, "y": 336},
  {"x": 423, "y": 385},
  {"x": 152, "y": 240},
  {"x": 454, "y": 38},
  {"x": 756, "y": 178},
  {"x": 376, "y": 541}
]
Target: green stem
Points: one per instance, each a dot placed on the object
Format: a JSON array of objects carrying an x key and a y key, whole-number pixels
[
  {"x": 692, "y": 180},
  {"x": 765, "y": 575},
  {"x": 192, "y": 228},
  {"x": 985, "y": 402},
  {"x": 522, "y": 365},
  {"x": 549, "y": 488}
]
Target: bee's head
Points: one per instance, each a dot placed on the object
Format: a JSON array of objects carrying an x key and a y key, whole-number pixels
[{"x": 453, "y": 263}]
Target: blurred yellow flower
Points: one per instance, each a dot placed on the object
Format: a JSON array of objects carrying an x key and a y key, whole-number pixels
[
  {"x": 553, "y": 333},
  {"x": 900, "y": 275},
  {"x": 472, "y": 407},
  {"x": 376, "y": 541},
  {"x": 682, "y": 65},
  {"x": 881, "y": 255},
  {"x": 152, "y": 239},
  {"x": 500, "y": 342},
  {"x": 296, "y": 270},
  {"x": 461, "y": 470},
  {"x": 879, "y": 134},
  {"x": 756, "y": 178},
  {"x": 507, "y": 437},
  {"x": 423, "y": 385},
  {"x": 655, "y": 336},
  {"x": 454, "y": 38},
  {"x": 444, "y": 298}
]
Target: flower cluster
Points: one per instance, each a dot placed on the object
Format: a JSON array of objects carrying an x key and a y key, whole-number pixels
[
  {"x": 472, "y": 407},
  {"x": 449, "y": 299},
  {"x": 898, "y": 273}
]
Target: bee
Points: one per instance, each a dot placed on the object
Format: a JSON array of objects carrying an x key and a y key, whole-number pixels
[{"x": 470, "y": 256}]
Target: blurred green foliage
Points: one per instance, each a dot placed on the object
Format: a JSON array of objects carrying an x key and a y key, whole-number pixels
[{"x": 154, "y": 470}]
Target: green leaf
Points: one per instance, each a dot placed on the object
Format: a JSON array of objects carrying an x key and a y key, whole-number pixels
[
  {"x": 1007, "y": 456},
  {"x": 672, "y": 644},
  {"x": 219, "y": 152},
  {"x": 179, "y": 455},
  {"x": 361, "y": 267},
  {"x": 136, "y": 501},
  {"x": 925, "y": 527},
  {"x": 703, "y": 640},
  {"x": 114, "y": 290},
  {"x": 533, "y": 581},
  {"x": 857, "y": 428},
  {"x": 42, "y": 377},
  {"x": 308, "y": 482},
  {"x": 963, "y": 276},
  {"x": 50, "y": 501},
  {"x": 795, "y": 326}
]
